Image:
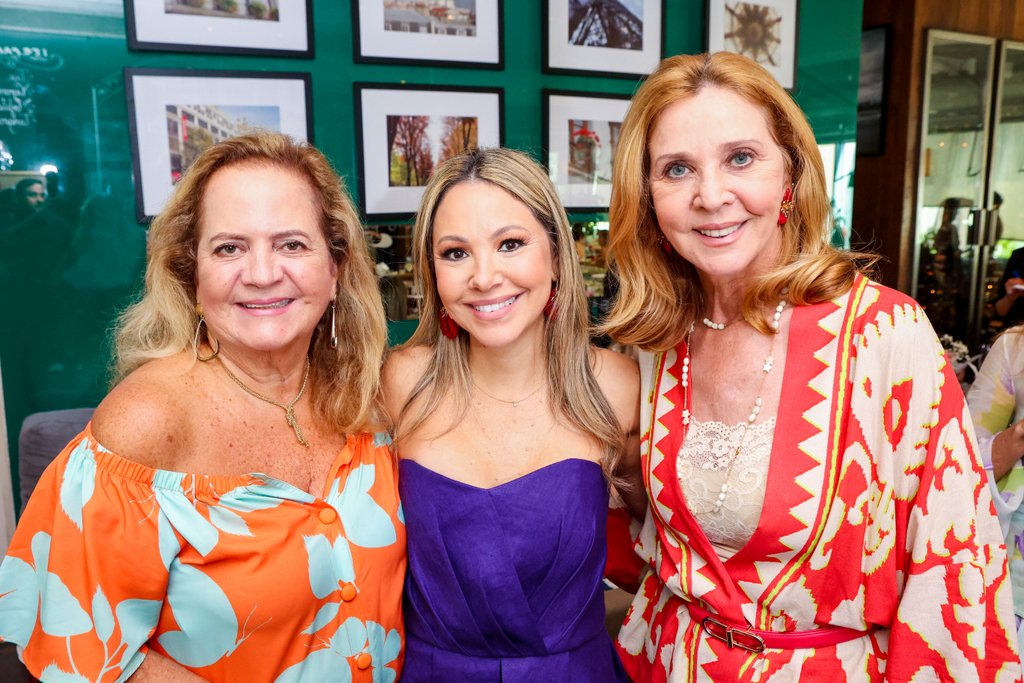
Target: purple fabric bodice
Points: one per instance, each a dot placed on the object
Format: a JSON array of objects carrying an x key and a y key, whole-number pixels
[{"x": 504, "y": 583}]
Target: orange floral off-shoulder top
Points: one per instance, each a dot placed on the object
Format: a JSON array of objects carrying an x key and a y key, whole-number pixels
[{"x": 236, "y": 578}]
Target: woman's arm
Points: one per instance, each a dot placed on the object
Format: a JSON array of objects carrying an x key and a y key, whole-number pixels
[
  {"x": 992, "y": 402},
  {"x": 1007, "y": 449},
  {"x": 402, "y": 370},
  {"x": 619, "y": 378}
]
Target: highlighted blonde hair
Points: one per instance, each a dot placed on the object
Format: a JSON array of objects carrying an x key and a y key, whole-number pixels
[
  {"x": 660, "y": 295},
  {"x": 573, "y": 390},
  {"x": 345, "y": 381}
]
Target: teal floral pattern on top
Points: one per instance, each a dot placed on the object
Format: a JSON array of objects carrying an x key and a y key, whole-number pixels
[{"x": 236, "y": 578}]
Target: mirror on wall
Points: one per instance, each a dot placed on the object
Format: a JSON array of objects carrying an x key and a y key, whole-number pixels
[
  {"x": 1005, "y": 197},
  {"x": 952, "y": 176}
]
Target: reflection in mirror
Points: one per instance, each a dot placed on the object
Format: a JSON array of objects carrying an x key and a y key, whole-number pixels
[
  {"x": 954, "y": 158},
  {"x": 957, "y": 113},
  {"x": 391, "y": 249},
  {"x": 1006, "y": 198}
]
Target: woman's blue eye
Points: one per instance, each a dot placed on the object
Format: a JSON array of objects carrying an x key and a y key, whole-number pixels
[
  {"x": 510, "y": 244},
  {"x": 742, "y": 158},
  {"x": 676, "y": 170}
]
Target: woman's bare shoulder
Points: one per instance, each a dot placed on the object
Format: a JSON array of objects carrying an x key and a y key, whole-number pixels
[
  {"x": 619, "y": 379},
  {"x": 615, "y": 371},
  {"x": 403, "y": 367},
  {"x": 143, "y": 418}
]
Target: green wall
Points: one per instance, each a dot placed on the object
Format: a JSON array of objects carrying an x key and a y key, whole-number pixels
[{"x": 63, "y": 277}]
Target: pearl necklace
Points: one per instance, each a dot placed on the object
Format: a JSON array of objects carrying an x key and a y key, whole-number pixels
[
  {"x": 766, "y": 367},
  {"x": 712, "y": 325}
]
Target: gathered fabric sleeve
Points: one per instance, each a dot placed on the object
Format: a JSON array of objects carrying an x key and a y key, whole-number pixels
[
  {"x": 933, "y": 542},
  {"x": 994, "y": 403},
  {"x": 623, "y": 566},
  {"x": 84, "y": 579}
]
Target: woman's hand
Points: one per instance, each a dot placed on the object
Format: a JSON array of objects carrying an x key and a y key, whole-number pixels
[
  {"x": 1007, "y": 449},
  {"x": 1014, "y": 288}
]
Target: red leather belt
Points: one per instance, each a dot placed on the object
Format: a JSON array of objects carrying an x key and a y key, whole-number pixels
[{"x": 756, "y": 640}]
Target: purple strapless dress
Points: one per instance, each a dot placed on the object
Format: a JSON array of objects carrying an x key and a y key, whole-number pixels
[{"x": 504, "y": 584}]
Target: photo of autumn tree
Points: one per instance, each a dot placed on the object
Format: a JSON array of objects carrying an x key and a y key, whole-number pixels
[{"x": 418, "y": 143}]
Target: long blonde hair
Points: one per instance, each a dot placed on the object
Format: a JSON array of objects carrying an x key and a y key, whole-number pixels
[
  {"x": 344, "y": 382},
  {"x": 660, "y": 295},
  {"x": 573, "y": 390}
]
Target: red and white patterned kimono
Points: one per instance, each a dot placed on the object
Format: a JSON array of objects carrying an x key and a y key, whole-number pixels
[{"x": 877, "y": 517}]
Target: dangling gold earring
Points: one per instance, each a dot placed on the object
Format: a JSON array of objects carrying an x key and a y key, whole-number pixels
[
  {"x": 195, "y": 339},
  {"x": 334, "y": 324}
]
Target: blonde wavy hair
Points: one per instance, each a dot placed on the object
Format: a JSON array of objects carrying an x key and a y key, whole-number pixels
[
  {"x": 572, "y": 389},
  {"x": 660, "y": 294},
  {"x": 345, "y": 381}
]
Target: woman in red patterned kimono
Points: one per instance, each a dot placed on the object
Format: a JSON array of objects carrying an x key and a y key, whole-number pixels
[{"x": 818, "y": 510}]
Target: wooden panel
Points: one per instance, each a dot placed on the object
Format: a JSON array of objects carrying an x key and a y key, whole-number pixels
[
  {"x": 885, "y": 186},
  {"x": 880, "y": 183}
]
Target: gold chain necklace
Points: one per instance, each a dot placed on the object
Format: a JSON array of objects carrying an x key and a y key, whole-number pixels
[
  {"x": 515, "y": 404},
  {"x": 289, "y": 410}
]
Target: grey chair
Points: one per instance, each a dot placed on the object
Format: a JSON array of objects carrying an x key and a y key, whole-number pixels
[{"x": 43, "y": 436}]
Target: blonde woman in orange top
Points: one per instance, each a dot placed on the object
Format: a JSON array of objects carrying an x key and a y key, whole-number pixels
[{"x": 228, "y": 515}]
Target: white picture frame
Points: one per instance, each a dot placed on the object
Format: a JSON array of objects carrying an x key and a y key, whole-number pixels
[
  {"x": 381, "y": 196},
  {"x": 460, "y": 37},
  {"x": 580, "y": 133},
  {"x": 177, "y": 26},
  {"x": 777, "y": 34},
  {"x": 229, "y": 102},
  {"x": 632, "y": 52}
]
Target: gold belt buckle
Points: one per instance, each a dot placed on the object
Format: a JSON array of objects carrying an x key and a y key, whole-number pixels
[{"x": 728, "y": 634}]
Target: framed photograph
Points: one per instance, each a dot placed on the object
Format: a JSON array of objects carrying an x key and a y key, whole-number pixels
[
  {"x": 871, "y": 90},
  {"x": 429, "y": 32},
  {"x": 404, "y": 131},
  {"x": 174, "y": 115},
  {"x": 764, "y": 30},
  {"x": 617, "y": 38},
  {"x": 580, "y": 134},
  {"x": 279, "y": 28}
]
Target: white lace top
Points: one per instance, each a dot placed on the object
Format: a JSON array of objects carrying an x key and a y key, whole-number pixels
[{"x": 703, "y": 468}]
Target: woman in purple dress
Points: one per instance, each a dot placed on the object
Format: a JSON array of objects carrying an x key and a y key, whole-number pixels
[{"x": 508, "y": 427}]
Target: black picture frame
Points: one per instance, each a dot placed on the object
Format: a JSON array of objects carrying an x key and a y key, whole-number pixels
[
  {"x": 561, "y": 55},
  {"x": 872, "y": 90},
  {"x": 776, "y": 21},
  {"x": 241, "y": 101},
  {"x": 380, "y": 199},
  {"x": 150, "y": 26},
  {"x": 374, "y": 43},
  {"x": 604, "y": 114}
]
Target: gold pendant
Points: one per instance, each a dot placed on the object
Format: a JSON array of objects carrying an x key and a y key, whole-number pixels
[{"x": 294, "y": 424}]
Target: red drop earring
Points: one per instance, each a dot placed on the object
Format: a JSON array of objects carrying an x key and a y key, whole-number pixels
[
  {"x": 787, "y": 206},
  {"x": 549, "y": 307},
  {"x": 449, "y": 327}
]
